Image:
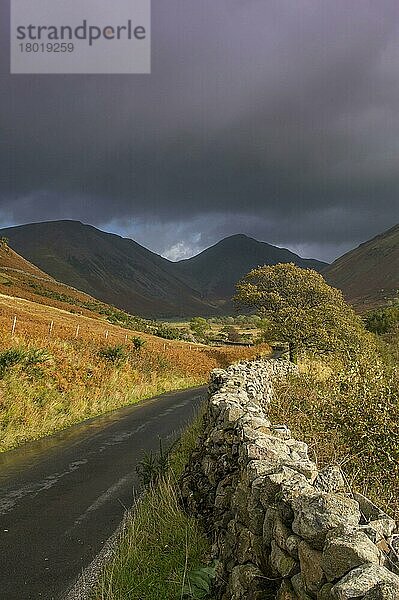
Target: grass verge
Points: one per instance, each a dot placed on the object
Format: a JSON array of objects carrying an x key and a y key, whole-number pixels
[
  {"x": 349, "y": 415},
  {"x": 160, "y": 544},
  {"x": 49, "y": 384}
]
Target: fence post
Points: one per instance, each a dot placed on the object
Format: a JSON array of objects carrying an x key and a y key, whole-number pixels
[
  {"x": 14, "y": 323},
  {"x": 77, "y": 331},
  {"x": 106, "y": 334},
  {"x": 50, "y": 329}
]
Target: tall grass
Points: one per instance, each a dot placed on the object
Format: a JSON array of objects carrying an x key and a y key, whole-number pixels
[
  {"x": 349, "y": 414},
  {"x": 49, "y": 384},
  {"x": 159, "y": 544}
]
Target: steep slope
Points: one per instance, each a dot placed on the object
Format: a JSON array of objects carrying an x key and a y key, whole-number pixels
[
  {"x": 119, "y": 271},
  {"x": 116, "y": 270},
  {"x": 216, "y": 270},
  {"x": 21, "y": 279},
  {"x": 10, "y": 260},
  {"x": 369, "y": 274}
]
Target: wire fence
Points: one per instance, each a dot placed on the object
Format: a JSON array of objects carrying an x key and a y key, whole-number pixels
[{"x": 18, "y": 325}]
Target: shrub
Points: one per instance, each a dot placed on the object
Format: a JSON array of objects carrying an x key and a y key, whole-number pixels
[
  {"x": 114, "y": 354},
  {"x": 382, "y": 320},
  {"x": 233, "y": 335},
  {"x": 153, "y": 466},
  {"x": 25, "y": 358},
  {"x": 11, "y": 357},
  {"x": 348, "y": 413},
  {"x": 37, "y": 356},
  {"x": 138, "y": 343},
  {"x": 199, "y": 326},
  {"x": 167, "y": 332}
]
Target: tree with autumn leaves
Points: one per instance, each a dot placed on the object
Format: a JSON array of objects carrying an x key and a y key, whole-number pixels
[{"x": 300, "y": 308}]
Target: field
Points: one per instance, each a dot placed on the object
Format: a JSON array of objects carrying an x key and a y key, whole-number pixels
[
  {"x": 244, "y": 329},
  {"x": 59, "y": 368}
]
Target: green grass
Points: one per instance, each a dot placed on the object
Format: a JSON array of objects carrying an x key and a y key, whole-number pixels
[{"x": 160, "y": 543}]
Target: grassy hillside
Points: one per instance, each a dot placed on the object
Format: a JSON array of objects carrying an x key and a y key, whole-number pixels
[
  {"x": 60, "y": 368},
  {"x": 11, "y": 261},
  {"x": 21, "y": 279},
  {"x": 122, "y": 273},
  {"x": 369, "y": 274},
  {"x": 115, "y": 270}
]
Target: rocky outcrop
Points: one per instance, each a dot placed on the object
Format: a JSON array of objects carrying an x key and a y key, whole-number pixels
[{"x": 280, "y": 527}]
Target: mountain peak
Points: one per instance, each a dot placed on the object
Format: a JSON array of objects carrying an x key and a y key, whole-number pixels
[
  {"x": 239, "y": 237},
  {"x": 216, "y": 270},
  {"x": 121, "y": 272}
]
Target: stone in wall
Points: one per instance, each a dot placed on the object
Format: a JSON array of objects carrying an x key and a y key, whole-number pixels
[{"x": 280, "y": 527}]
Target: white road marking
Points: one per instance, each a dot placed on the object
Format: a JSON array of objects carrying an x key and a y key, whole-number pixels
[
  {"x": 11, "y": 498},
  {"x": 101, "y": 500},
  {"x": 8, "y": 501}
]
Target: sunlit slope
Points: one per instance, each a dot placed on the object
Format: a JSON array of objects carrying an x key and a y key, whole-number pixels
[
  {"x": 58, "y": 368},
  {"x": 369, "y": 274},
  {"x": 22, "y": 279},
  {"x": 113, "y": 269}
]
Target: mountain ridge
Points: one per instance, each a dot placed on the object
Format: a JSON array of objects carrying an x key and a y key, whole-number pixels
[
  {"x": 246, "y": 253},
  {"x": 121, "y": 272},
  {"x": 113, "y": 269}
]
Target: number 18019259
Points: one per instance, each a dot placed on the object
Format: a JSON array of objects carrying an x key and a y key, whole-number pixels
[{"x": 47, "y": 47}]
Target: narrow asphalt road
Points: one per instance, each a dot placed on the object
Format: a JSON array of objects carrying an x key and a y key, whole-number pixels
[{"x": 63, "y": 496}]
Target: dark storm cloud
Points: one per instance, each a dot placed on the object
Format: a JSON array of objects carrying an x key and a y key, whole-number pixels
[{"x": 279, "y": 119}]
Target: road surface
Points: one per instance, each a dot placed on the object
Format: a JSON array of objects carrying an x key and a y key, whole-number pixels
[{"x": 63, "y": 496}]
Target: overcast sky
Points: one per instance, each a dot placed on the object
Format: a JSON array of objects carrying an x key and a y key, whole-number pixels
[{"x": 274, "y": 118}]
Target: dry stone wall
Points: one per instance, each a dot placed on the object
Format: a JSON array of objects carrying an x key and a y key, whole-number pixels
[{"x": 280, "y": 527}]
